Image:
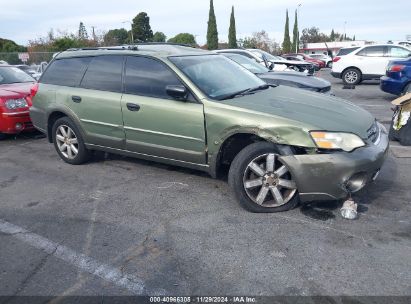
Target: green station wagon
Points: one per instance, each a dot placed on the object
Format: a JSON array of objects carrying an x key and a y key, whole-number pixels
[{"x": 193, "y": 108}]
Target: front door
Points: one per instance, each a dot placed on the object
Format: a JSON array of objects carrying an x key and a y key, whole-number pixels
[{"x": 156, "y": 124}]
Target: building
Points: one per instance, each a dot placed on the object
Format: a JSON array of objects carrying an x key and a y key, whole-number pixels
[{"x": 331, "y": 48}]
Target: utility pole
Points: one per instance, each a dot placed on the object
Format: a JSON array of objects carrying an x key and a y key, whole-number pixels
[
  {"x": 94, "y": 34},
  {"x": 297, "y": 45},
  {"x": 345, "y": 25}
]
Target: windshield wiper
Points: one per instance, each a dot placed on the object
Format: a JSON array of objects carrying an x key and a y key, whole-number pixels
[{"x": 245, "y": 92}]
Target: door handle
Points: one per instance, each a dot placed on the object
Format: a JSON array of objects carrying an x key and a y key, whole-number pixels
[
  {"x": 76, "y": 99},
  {"x": 133, "y": 107}
]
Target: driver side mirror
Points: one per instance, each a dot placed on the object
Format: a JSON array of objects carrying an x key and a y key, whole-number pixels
[
  {"x": 178, "y": 92},
  {"x": 271, "y": 67}
]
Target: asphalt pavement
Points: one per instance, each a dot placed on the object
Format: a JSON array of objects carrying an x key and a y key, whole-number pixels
[{"x": 121, "y": 226}]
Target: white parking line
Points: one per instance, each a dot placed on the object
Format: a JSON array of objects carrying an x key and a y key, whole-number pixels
[{"x": 81, "y": 261}]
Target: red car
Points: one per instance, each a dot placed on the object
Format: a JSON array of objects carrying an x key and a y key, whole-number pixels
[
  {"x": 16, "y": 89},
  {"x": 307, "y": 58}
]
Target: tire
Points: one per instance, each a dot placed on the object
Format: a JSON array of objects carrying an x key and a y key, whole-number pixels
[
  {"x": 277, "y": 182},
  {"x": 329, "y": 64},
  {"x": 2, "y": 136},
  {"x": 404, "y": 134},
  {"x": 352, "y": 76},
  {"x": 392, "y": 134},
  {"x": 67, "y": 140},
  {"x": 407, "y": 89}
]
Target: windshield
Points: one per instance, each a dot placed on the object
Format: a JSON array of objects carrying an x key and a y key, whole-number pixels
[
  {"x": 248, "y": 63},
  {"x": 260, "y": 53},
  {"x": 215, "y": 75},
  {"x": 13, "y": 75}
]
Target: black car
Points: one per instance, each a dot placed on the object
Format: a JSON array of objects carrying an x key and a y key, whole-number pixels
[{"x": 291, "y": 79}]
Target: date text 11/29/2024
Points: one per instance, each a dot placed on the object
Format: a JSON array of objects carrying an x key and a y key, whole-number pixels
[{"x": 237, "y": 299}]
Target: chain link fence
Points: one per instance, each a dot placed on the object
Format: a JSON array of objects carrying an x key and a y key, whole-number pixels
[{"x": 33, "y": 57}]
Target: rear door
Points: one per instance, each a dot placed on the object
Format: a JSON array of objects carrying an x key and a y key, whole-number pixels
[
  {"x": 97, "y": 101},
  {"x": 155, "y": 123}
]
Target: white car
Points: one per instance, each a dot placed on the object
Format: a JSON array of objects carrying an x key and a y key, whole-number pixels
[
  {"x": 325, "y": 58},
  {"x": 366, "y": 63}
]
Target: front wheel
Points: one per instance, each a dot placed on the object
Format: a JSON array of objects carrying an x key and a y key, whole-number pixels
[
  {"x": 261, "y": 181},
  {"x": 351, "y": 76},
  {"x": 68, "y": 142},
  {"x": 407, "y": 89}
]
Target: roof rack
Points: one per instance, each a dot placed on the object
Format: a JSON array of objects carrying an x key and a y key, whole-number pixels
[{"x": 129, "y": 47}]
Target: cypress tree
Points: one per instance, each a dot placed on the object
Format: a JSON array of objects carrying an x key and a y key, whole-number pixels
[
  {"x": 82, "y": 32},
  {"x": 332, "y": 36},
  {"x": 295, "y": 34},
  {"x": 287, "y": 42},
  {"x": 353, "y": 39},
  {"x": 212, "y": 33},
  {"x": 232, "y": 35}
]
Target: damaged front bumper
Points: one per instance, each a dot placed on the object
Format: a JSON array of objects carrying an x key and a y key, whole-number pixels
[{"x": 329, "y": 176}]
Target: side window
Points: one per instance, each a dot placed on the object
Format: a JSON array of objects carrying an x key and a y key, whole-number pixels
[
  {"x": 66, "y": 72},
  {"x": 398, "y": 52},
  {"x": 372, "y": 51},
  {"x": 104, "y": 73},
  {"x": 148, "y": 77}
]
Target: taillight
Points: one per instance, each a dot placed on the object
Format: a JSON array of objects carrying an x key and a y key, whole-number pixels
[
  {"x": 336, "y": 59},
  {"x": 33, "y": 90},
  {"x": 396, "y": 68}
]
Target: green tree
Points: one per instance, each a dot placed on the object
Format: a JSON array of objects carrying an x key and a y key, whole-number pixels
[
  {"x": 332, "y": 36},
  {"x": 353, "y": 38},
  {"x": 116, "y": 36},
  {"x": 184, "y": 38},
  {"x": 295, "y": 34},
  {"x": 159, "y": 37},
  {"x": 286, "y": 41},
  {"x": 232, "y": 35},
  {"x": 313, "y": 35},
  {"x": 141, "y": 28},
  {"x": 82, "y": 32},
  {"x": 212, "y": 33},
  {"x": 64, "y": 43}
]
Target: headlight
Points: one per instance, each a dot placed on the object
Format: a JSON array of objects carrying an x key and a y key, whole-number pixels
[
  {"x": 13, "y": 104},
  {"x": 334, "y": 140}
]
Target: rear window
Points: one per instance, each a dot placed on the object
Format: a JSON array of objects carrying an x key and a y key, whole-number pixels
[
  {"x": 104, "y": 73},
  {"x": 372, "y": 51},
  {"x": 10, "y": 75},
  {"x": 66, "y": 72},
  {"x": 346, "y": 51}
]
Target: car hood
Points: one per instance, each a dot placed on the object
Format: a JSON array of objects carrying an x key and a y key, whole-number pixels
[
  {"x": 301, "y": 79},
  {"x": 295, "y": 62},
  {"x": 321, "y": 112}
]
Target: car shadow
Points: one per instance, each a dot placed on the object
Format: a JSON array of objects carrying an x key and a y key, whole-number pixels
[{"x": 111, "y": 159}]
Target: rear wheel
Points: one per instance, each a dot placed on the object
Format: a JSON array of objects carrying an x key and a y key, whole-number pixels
[
  {"x": 68, "y": 142},
  {"x": 352, "y": 76},
  {"x": 261, "y": 181},
  {"x": 329, "y": 64},
  {"x": 2, "y": 136}
]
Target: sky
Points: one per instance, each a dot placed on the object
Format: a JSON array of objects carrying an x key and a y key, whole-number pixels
[{"x": 378, "y": 20}]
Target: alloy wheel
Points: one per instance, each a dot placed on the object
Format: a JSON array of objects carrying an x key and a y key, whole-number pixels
[
  {"x": 67, "y": 141},
  {"x": 351, "y": 77},
  {"x": 268, "y": 182}
]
